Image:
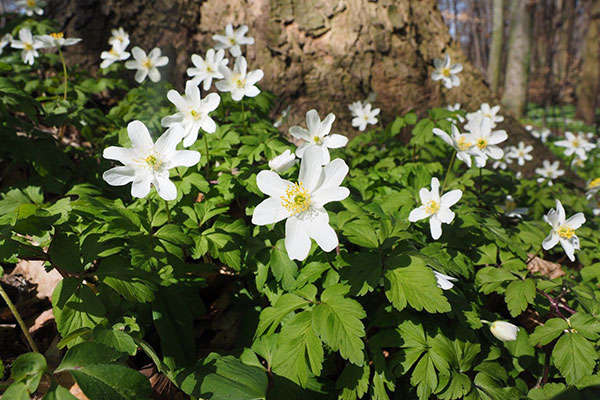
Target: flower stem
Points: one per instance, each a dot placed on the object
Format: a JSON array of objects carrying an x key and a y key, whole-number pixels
[
  {"x": 61, "y": 131},
  {"x": 207, "y": 156},
  {"x": 14, "y": 311},
  {"x": 168, "y": 211},
  {"x": 448, "y": 172}
]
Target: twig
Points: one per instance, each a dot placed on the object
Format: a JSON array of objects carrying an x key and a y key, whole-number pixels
[{"x": 20, "y": 321}]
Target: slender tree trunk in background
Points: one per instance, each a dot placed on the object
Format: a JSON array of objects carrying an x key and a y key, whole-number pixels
[
  {"x": 589, "y": 83},
  {"x": 567, "y": 20},
  {"x": 517, "y": 63},
  {"x": 495, "y": 61},
  {"x": 321, "y": 54}
]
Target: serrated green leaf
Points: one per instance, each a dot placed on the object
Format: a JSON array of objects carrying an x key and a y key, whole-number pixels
[
  {"x": 173, "y": 233},
  {"x": 353, "y": 382},
  {"x": 574, "y": 356},
  {"x": 115, "y": 339},
  {"x": 284, "y": 269},
  {"x": 337, "y": 320},
  {"x": 519, "y": 294},
  {"x": 271, "y": 317},
  {"x": 546, "y": 333},
  {"x": 491, "y": 279},
  {"x": 57, "y": 392}
]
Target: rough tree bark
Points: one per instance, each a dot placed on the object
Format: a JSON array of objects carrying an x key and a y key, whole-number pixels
[
  {"x": 519, "y": 52},
  {"x": 495, "y": 62},
  {"x": 589, "y": 79},
  {"x": 320, "y": 54}
]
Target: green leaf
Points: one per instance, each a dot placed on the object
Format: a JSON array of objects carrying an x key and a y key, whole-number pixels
[
  {"x": 271, "y": 317},
  {"x": 490, "y": 279},
  {"x": 29, "y": 369},
  {"x": 574, "y": 356},
  {"x": 284, "y": 269},
  {"x": 298, "y": 349},
  {"x": 16, "y": 391},
  {"x": 92, "y": 368},
  {"x": 353, "y": 382},
  {"x": 337, "y": 320},
  {"x": 586, "y": 325},
  {"x": 362, "y": 233},
  {"x": 75, "y": 307},
  {"x": 115, "y": 339},
  {"x": 546, "y": 333},
  {"x": 409, "y": 281},
  {"x": 57, "y": 392},
  {"x": 64, "y": 252},
  {"x": 173, "y": 234},
  {"x": 550, "y": 391},
  {"x": 519, "y": 294},
  {"x": 226, "y": 378}
]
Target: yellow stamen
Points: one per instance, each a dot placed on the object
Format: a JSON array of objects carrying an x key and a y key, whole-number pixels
[
  {"x": 565, "y": 231},
  {"x": 31, "y": 3},
  {"x": 481, "y": 143},
  {"x": 147, "y": 63},
  {"x": 113, "y": 52},
  {"x": 57, "y": 35},
  {"x": 27, "y": 46},
  {"x": 463, "y": 144},
  {"x": 232, "y": 41},
  {"x": 432, "y": 206},
  {"x": 195, "y": 114},
  {"x": 317, "y": 140},
  {"x": 446, "y": 72},
  {"x": 153, "y": 161},
  {"x": 296, "y": 198},
  {"x": 239, "y": 81},
  {"x": 575, "y": 143},
  {"x": 594, "y": 183}
]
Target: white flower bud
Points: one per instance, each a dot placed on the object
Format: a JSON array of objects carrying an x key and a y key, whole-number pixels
[
  {"x": 444, "y": 282},
  {"x": 504, "y": 331},
  {"x": 283, "y": 162}
]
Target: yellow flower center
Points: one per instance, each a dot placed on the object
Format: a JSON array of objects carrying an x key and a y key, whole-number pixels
[
  {"x": 153, "y": 162},
  {"x": 31, "y": 3},
  {"x": 575, "y": 143},
  {"x": 57, "y": 35},
  {"x": 27, "y": 46},
  {"x": 113, "y": 52},
  {"x": 239, "y": 81},
  {"x": 296, "y": 198},
  {"x": 209, "y": 69},
  {"x": 565, "y": 231},
  {"x": 317, "y": 140},
  {"x": 446, "y": 72},
  {"x": 481, "y": 143},
  {"x": 195, "y": 114},
  {"x": 594, "y": 183},
  {"x": 510, "y": 205},
  {"x": 432, "y": 206},
  {"x": 232, "y": 41},
  {"x": 147, "y": 63},
  {"x": 463, "y": 144}
]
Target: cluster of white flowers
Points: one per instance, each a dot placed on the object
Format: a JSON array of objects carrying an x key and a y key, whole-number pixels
[
  {"x": 29, "y": 44},
  {"x": 119, "y": 41},
  {"x": 543, "y": 134},
  {"x": 31, "y": 7},
  {"x": 446, "y": 72},
  {"x": 363, "y": 114}
]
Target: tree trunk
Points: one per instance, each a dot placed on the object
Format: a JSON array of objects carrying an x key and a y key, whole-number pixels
[
  {"x": 495, "y": 62},
  {"x": 321, "y": 54},
  {"x": 587, "y": 89},
  {"x": 517, "y": 63}
]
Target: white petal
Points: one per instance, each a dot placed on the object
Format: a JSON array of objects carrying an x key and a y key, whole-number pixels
[
  {"x": 568, "y": 248},
  {"x": 335, "y": 141},
  {"x": 418, "y": 214},
  {"x": 326, "y": 125},
  {"x": 297, "y": 241},
  {"x": 165, "y": 188},
  {"x": 141, "y": 186},
  {"x": 299, "y": 133},
  {"x": 313, "y": 121},
  {"x": 185, "y": 158},
  {"x": 574, "y": 222},
  {"x": 140, "y": 75},
  {"x": 324, "y": 196},
  {"x": 121, "y": 154},
  {"x": 269, "y": 211},
  {"x": 561, "y": 212},
  {"x": 139, "y": 136},
  {"x": 169, "y": 140},
  {"x": 550, "y": 241},
  {"x": 311, "y": 167},
  {"x": 178, "y": 100},
  {"x": 119, "y": 176},
  {"x": 435, "y": 189},
  {"x": 435, "y": 225},
  {"x": 334, "y": 173},
  {"x": 271, "y": 184},
  {"x": 154, "y": 75},
  {"x": 320, "y": 230},
  {"x": 451, "y": 198},
  {"x": 445, "y": 215}
]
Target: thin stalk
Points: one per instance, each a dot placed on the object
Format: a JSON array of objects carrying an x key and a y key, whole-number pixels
[
  {"x": 207, "y": 155},
  {"x": 14, "y": 311},
  {"x": 534, "y": 256},
  {"x": 448, "y": 172},
  {"x": 61, "y": 131},
  {"x": 168, "y": 211}
]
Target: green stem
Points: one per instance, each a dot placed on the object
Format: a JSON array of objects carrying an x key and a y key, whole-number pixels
[
  {"x": 207, "y": 155},
  {"x": 480, "y": 182},
  {"x": 14, "y": 311},
  {"x": 168, "y": 211},
  {"x": 448, "y": 172},
  {"x": 66, "y": 75}
]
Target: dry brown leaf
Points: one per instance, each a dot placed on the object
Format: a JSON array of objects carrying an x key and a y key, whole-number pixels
[
  {"x": 548, "y": 269},
  {"x": 34, "y": 272}
]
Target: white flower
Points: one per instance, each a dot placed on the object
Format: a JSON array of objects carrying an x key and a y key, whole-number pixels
[
  {"x": 575, "y": 144},
  {"x": 147, "y": 163},
  {"x": 593, "y": 187},
  {"x": 444, "y": 282},
  {"x": 31, "y": 6},
  {"x": 239, "y": 82},
  {"x": 29, "y": 44},
  {"x": 193, "y": 112},
  {"x": 364, "y": 116},
  {"x": 318, "y": 134},
  {"x": 542, "y": 135},
  {"x": 118, "y": 35},
  {"x": 563, "y": 231},
  {"x": 549, "y": 171},
  {"x": 233, "y": 39},
  {"x": 4, "y": 40},
  {"x": 485, "y": 141},
  {"x": 503, "y": 162},
  {"x": 595, "y": 205},
  {"x": 446, "y": 72},
  {"x": 577, "y": 163},
  {"x": 207, "y": 69},
  {"x": 283, "y": 162},
  {"x": 504, "y": 331},
  {"x": 302, "y": 203},
  {"x": 521, "y": 153},
  {"x": 116, "y": 53},
  {"x": 454, "y": 108},
  {"x": 435, "y": 208},
  {"x": 146, "y": 65},
  {"x": 511, "y": 210},
  {"x": 485, "y": 112},
  {"x": 56, "y": 39},
  {"x": 461, "y": 142}
]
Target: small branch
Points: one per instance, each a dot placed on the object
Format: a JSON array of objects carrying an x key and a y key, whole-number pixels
[
  {"x": 556, "y": 304},
  {"x": 20, "y": 321}
]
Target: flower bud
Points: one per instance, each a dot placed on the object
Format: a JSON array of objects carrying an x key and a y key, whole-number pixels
[
  {"x": 283, "y": 162},
  {"x": 444, "y": 282},
  {"x": 504, "y": 331}
]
